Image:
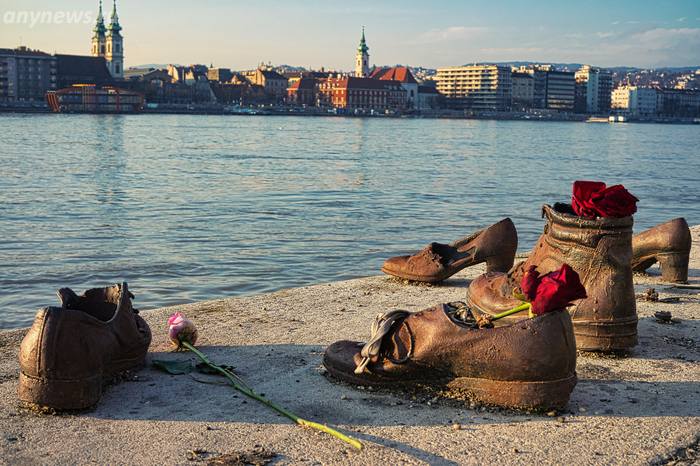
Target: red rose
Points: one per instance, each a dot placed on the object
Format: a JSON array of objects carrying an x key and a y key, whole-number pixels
[
  {"x": 581, "y": 198},
  {"x": 593, "y": 199},
  {"x": 552, "y": 291}
]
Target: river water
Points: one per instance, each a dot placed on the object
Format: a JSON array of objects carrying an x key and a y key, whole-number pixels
[{"x": 190, "y": 207}]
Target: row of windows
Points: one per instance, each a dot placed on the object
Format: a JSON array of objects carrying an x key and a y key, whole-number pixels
[
  {"x": 30, "y": 61},
  {"x": 38, "y": 77}
]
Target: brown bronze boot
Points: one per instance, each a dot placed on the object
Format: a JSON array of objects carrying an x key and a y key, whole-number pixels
[
  {"x": 71, "y": 351},
  {"x": 495, "y": 245},
  {"x": 669, "y": 244},
  {"x": 528, "y": 365},
  {"x": 600, "y": 251}
]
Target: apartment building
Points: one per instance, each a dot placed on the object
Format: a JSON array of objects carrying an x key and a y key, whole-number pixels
[
  {"x": 593, "y": 90},
  {"x": 635, "y": 101},
  {"x": 26, "y": 75},
  {"x": 476, "y": 87},
  {"x": 523, "y": 90},
  {"x": 560, "y": 91}
]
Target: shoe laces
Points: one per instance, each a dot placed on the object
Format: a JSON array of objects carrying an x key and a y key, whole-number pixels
[{"x": 381, "y": 327}]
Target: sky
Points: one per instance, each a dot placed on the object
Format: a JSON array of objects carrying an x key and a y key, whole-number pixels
[{"x": 315, "y": 34}]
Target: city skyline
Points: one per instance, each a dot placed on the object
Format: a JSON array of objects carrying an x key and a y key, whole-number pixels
[{"x": 325, "y": 34}]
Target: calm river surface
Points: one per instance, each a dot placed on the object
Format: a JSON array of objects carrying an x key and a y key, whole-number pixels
[{"x": 188, "y": 208}]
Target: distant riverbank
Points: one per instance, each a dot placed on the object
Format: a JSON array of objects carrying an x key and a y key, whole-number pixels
[{"x": 535, "y": 115}]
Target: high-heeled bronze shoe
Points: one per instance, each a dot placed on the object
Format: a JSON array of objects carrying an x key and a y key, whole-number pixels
[
  {"x": 669, "y": 245},
  {"x": 495, "y": 245}
]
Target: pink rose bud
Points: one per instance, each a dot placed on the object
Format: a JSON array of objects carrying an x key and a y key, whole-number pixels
[{"x": 180, "y": 329}]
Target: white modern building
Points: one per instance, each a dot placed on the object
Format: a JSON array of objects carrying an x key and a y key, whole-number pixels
[
  {"x": 635, "y": 101},
  {"x": 593, "y": 87},
  {"x": 476, "y": 87}
]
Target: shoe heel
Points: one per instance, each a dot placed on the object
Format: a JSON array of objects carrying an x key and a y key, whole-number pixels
[
  {"x": 606, "y": 336},
  {"x": 60, "y": 394},
  {"x": 674, "y": 266},
  {"x": 501, "y": 263}
]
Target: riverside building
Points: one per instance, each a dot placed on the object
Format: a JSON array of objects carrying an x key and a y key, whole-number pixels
[
  {"x": 593, "y": 90},
  {"x": 682, "y": 103},
  {"x": 552, "y": 89},
  {"x": 523, "y": 90},
  {"x": 302, "y": 91},
  {"x": 26, "y": 75},
  {"x": 275, "y": 84},
  {"x": 403, "y": 75},
  {"x": 635, "y": 101},
  {"x": 365, "y": 94},
  {"x": 561, "y": 87},
  {"x": 476, "y": 87}
]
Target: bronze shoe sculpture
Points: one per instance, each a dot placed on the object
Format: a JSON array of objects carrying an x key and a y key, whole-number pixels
[
  {"x": 495, "y": 245},
  {"x": 600, "y": 251},
  {"x": 669, "y": 244},
  {"x": 529, "y": 365},
  {"x": 71, "y": 351}
]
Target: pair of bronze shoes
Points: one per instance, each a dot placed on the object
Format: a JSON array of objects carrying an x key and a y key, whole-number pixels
[
  {"x": 522, "y": 363},
  {"x": 667, "y": 243},
  {"x": 72, "y": 351}
]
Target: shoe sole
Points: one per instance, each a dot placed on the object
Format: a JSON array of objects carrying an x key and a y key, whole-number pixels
[
  {"x": 493, "y": 264},
  {"x": 531, "y": 395},
  {"x": 418, "y": 278},
  {"x": 69, "y": 394}
]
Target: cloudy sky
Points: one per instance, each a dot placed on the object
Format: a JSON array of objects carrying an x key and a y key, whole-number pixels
[{"x": 311, "y": 33}]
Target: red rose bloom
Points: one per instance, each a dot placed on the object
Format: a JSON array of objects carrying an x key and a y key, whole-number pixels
[
  {"x": 552, "y": 291},
  {"x": 593, "y": 199}
]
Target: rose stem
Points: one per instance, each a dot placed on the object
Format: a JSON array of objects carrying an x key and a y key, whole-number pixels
[
  {"x": 250, "y": 393},
  {"x": 516, "y": 309}
]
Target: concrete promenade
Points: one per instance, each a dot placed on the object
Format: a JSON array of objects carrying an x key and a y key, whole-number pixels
[{"x": 640, "y": 409}]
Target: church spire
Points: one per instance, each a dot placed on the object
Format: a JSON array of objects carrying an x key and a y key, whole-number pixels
[
  {"x": 363, "y": 44},
  {"x": 114, "y": 26},
  {"x": 99, "y": 28},
  {"x": 362, "y": 57}
]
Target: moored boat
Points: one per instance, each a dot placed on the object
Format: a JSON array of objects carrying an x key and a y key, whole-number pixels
[{"x": 87, "y": 98}]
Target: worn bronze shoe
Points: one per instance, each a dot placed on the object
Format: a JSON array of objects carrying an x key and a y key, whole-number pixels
[
  {"x": 495, "y": 245},
  {"x": 600, "y": 251},
  {"x": 529, "y": 365},
  {"x": 669, "y": 244},
  {"x": 72, "y": 350}
]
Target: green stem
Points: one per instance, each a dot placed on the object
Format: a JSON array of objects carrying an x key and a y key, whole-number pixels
[
  {"x": 516, "y": 309},
  {"x": 205, "y": 360},
  {"x": 242, "y": 387}
]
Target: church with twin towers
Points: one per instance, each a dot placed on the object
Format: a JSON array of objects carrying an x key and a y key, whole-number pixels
[{"x": 108, "y": 42}]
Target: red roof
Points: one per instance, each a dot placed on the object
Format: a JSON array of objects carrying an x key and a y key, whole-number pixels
[{"x": 395, "y": 73}]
